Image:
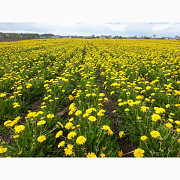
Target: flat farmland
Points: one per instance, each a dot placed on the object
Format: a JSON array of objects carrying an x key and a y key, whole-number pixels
[{"x": 90, "y": 98}]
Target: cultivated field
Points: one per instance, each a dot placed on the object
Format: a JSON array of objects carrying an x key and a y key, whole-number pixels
[{"x": 90, "y": 98}]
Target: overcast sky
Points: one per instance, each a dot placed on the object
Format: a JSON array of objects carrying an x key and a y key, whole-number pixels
[
  {"x": 116, "y": 28},
  {"x": 98, "y": 17}
]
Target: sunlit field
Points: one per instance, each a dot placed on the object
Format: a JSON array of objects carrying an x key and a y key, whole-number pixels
[{"x": 90, "y": 98}]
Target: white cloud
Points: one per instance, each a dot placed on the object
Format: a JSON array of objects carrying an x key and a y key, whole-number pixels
[
  {"x": 116, "y": 26},
  {"x": 110, "y": 28},
  {"x": 161, "y": 27}
]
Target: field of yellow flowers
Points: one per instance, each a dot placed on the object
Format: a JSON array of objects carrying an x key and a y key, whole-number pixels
[{"x": 90, "y": 98}]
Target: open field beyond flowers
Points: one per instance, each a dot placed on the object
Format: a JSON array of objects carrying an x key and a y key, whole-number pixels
[{"x": 90, "y": 98}]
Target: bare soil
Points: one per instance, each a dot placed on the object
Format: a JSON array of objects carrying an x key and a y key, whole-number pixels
[{"x": 126, "y": 146}]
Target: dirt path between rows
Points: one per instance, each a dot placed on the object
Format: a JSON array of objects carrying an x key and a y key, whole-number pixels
[{"x": 110, "y": 105}]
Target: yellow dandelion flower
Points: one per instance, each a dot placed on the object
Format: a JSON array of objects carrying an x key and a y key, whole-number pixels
[
  {"x": 101, "y": 94},
  {"x": 155, "y": 117},
  {"x": 105, "y": 127},
  {"x": 41, "y": 122},
  {"x": 143, "y": 138},
  {"x": 102, "y": 155},
  {"x": 19, "y": 128},
  {"x": 177, "y": 122},
  {"x": 169, "y": 125},
  {"x": 91, "y": 155},
  {"x": 78, "y": 112},
  {"x": 138, "y": 152},
  {"x": 71, "y": 135},
  {"x": 121, "y": 134},
  {"x": 71, "y": 97},
  {"x": 120, "y": 153},
  {"x": 80, "y": 140},
  {"x": 155, "y": 134},
  {"x": 3, "y": 150},
  {"x": 15, "y": 136},
  {"x": 110, "y": 132},
  {"x": 41, "y": 138},
  {"x": 92, "y": 118},
  {"x": 68, "y": 125},
  {"x": 61, "y": 144},
  {"x": 59, "y": 133},
  {"x": 50, "y": 116}
]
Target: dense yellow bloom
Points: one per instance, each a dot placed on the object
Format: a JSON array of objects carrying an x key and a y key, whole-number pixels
[
  {"x": 59, "y": 133},
  {"x": 40, "y": 112},
  {"x": 155, "y": 134},
  {"x": 60, "y": 124},
  {"x": 68, "y": 150},
  {"x": 159, "y": 110},
  {"x": 101, "y": 113},
  {"x": 15, "y": 105},
  {"x": 80, "y": 140},
  {"x": 28, "y": 85},
  {"x": 91, "y": 155},
  {"x": 2, "y": 150},
  {"x": 120, "y": 153},
  {"x": 110, "y": 132},
  {"x": 8, "y": 123},
  {"x": 15, "y": 136},
  {"x": 170, "y": 120},
  {"x": 30, "y": 114},
  {"x": 140, "y": 72},
  {"x": 139, "y": 152},
  {"x": 68, "y": 125},
  {"x": 106, "y": 99},
  {"x": 77, "y": 113},
  {"x": 144, "y": 108},
  {"x": 126, "y": 110},
  {"x": 168, "y": 105},
  {"x": 169, "y": 125},
  {"x": 19, "y": 128},
  {"x": 139, "y": 97},
  {"x": 41, "y": 138},
  {"x": 71, "y": 97},
  {"x": 177, "y": 122},
  {"x": 88, "y": 111},
  {"x": 2, "y": 94},
  {"x": 92, "y": 118},
  {"x": 105, "y": 127},
  {"x": 101, "y": 94},
  {"x": 71, "y": 119},
  {"x": 148, "y": 87},
  {"x": 121, "y": 134},
  {"x": 71, "y": 135},
  {"x": 143, "y": 138},
  {"x": 102, "y": 155},
  {"x": 155, "y": 117},
  {"x": 49, "y": 116},
  {"x": 85, "y": 115},
  {"x": 61, "y": 144},
  {"x": 41, "y": 122}
]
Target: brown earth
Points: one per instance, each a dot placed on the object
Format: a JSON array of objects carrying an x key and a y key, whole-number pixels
[{"x": 126, "y": 146}]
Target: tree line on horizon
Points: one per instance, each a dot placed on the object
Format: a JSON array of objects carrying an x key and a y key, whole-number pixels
[{"x": 25, "y": 36}]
